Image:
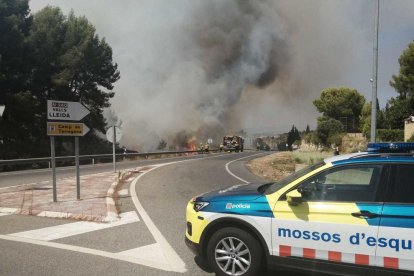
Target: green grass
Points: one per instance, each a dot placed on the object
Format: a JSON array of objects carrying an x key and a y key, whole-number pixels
[{"x": 310, "y": 157}]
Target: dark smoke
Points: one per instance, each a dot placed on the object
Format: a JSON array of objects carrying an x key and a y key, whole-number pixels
[
  {"x": 215, "y": 67},
  {"x": 237, "y": 41}
]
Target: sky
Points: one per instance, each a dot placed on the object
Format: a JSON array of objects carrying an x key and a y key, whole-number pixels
[{"x": 204, "y": 68}]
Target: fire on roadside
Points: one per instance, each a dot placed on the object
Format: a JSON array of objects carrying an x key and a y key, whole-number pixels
[{"x": 191, "y": 143}]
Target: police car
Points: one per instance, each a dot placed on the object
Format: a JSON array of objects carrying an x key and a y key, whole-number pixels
[{"x": 348, "y": 215}]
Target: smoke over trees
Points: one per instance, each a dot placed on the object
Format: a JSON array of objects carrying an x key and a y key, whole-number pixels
[
  {"x": 195, "y": 65},
  {"x": 220, "y": 62}
]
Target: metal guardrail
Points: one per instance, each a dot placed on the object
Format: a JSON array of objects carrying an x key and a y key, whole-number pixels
[{"x": 93, "y": 158}]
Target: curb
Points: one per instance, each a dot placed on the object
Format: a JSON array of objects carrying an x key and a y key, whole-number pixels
[
  {"x": 50, "y": 214},
  {"x": 83, "y": 217},
  {"x": 9, "y": 211},
  {"x": 111, "y": 210}
]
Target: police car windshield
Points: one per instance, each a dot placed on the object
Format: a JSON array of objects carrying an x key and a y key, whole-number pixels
[{"x": 280, "y": 184}]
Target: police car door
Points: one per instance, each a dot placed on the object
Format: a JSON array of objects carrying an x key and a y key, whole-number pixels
[
  {"x": 396, "y": 233},
  {"x": 337, "y": 219}
]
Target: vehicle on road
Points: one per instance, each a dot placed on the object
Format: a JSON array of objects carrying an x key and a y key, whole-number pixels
[
  {"x": 348, "y": 215},
  {"x": 233, "y": 143}
]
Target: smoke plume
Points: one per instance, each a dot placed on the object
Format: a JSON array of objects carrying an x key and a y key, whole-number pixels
[
  {"x": 195, "y": 68},
  {"x": 199, "y": 67}
]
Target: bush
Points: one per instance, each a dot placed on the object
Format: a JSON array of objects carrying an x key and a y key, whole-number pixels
[
  {"x": 311, "y": 137},
  {"x": 328, "y": 130},
  {"x": 390, "y": 135},
  {"x": 335, "y": 139}
]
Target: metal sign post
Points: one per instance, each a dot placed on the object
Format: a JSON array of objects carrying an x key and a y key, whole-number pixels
[
  {"x": 113, "y": 134},
  {"x": 113, "y": 148},
  {"x": 65, "y": 111},
  {"x": 52, "y": 153},
  {"x": 77, "y": 168}
]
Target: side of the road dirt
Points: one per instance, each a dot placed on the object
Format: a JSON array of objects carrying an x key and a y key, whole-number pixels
[
  {"x": 273, "y": 167},
  {"x": 278, "y": 165}
]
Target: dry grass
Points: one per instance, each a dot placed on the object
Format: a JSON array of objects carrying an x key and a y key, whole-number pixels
[
  {"x": 310, "y": 157},
  {"x": 273, "y": 167},
  {"x": 281, "y": 164}
]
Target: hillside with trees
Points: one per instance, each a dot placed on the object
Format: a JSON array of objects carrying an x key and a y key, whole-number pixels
[
  {"x": 346, "y": 110},
  {"x": 341, "y": 109},
  {"x": 49, "y": 55}
]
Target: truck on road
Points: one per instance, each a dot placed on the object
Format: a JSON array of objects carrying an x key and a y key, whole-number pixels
[{"x": 233, "y": 143}]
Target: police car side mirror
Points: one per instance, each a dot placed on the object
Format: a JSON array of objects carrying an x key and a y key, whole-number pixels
[{"x": 294, "y": 198}]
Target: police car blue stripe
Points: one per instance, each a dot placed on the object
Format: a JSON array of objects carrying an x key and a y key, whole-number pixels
[
  {"x": 259, "y": 207},
  {"x": 398, "y": 215},
  {"x": 384, "y": 159},
  {"x": 395, "y": 215}
]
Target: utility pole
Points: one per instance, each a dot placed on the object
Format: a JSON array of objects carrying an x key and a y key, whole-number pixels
[{"x": 374, "y": 79}]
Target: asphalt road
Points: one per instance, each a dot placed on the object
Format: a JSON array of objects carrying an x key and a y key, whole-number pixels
[
  {"x": 162, "y": 195},
  {"x": 38, "y": 175},
  {"x": 165, "y": 201}
]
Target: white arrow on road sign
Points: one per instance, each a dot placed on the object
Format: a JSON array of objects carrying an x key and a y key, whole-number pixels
[
  {"x": 110, "y": 134},
  {"x": 2, "y": 109},
  {"x": 65, "y": 111}
]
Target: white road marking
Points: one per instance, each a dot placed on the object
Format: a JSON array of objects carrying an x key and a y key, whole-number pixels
[
  {"x": 95, "y": 252},
  {"x": 7, "y": 211},
  {"x": 75, "y": 228},
  {"x": 148, "y": 252},
  {"x": 4, "y": 214},
  {"x": 123, "y": 192},
  {"x": 170, "y": 255},
  {"x": 174, "y": 263},
  {"x": 232, "y": 174}
]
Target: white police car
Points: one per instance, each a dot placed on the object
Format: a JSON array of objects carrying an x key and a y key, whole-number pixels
[{"x": 349, "y": 215}]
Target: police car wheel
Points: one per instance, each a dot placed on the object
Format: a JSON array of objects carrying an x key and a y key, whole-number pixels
[{"x": 232, "y": 251}]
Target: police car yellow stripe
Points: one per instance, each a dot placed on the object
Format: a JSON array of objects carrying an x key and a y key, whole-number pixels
[
  {"x": 274, "y": 197},
  {"x": 319, "y": 212},
  {"x": 198, "y": 225}
]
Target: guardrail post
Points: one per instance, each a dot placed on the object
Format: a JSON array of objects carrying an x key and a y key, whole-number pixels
[{"x": 93, "y": 161}]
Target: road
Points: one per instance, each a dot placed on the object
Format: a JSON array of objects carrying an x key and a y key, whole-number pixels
[
  {"x": 38, "y": 175},
  {"x": 149, "y": 239}
]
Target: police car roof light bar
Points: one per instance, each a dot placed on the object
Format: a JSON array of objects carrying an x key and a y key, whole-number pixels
[{"x": 398, "y": 147}]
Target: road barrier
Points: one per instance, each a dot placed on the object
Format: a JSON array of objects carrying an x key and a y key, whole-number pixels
[{"x": 103, "y": 158}]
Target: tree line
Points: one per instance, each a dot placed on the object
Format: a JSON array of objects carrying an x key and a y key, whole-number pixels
[
  {"x": 49, "y": 55},
  {"x": 346, "y": 110}
]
